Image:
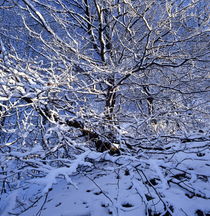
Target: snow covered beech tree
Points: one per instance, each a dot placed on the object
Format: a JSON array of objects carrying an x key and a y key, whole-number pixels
[{"x": 88, "y": 81}]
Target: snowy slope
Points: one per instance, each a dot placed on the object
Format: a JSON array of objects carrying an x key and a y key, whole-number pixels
[{"x": 171, "y": 182}]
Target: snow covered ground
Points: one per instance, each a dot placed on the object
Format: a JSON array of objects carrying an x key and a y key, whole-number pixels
[{"x": 175, "y": 182}]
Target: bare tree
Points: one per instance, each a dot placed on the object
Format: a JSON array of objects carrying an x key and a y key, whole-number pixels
[
  {"x": 103, "y": 63},
  {"x": 99, "y": 74}
]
